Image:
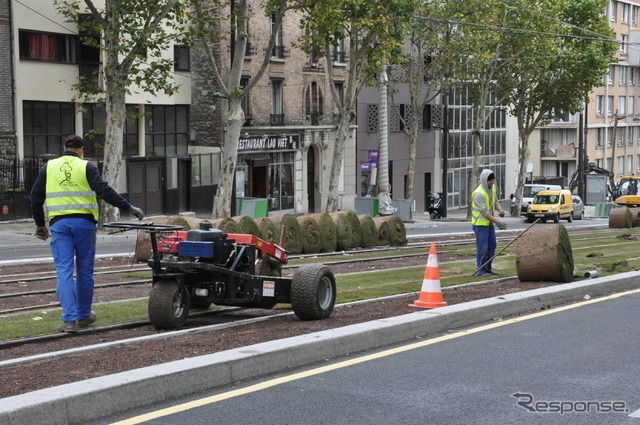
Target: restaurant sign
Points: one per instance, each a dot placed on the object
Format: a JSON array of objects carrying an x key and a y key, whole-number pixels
[{"x": 269, "y": 142}]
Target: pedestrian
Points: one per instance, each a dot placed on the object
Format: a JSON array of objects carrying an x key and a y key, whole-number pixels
[
  {"x": 70, "y": 187},
  {"x": 485, "y": 204}
]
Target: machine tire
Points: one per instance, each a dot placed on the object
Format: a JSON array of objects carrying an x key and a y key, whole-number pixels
[
  {"x": 168, "y": 304},
  {"x": 556, "y": 219},
  {"x": 313, "y": 292}
]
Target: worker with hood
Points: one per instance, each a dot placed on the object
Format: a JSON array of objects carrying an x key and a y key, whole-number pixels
[{"x": 485, "y": 204}]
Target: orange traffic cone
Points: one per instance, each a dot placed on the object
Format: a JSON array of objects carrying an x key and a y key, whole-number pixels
[{"x": 430, "y": 294}]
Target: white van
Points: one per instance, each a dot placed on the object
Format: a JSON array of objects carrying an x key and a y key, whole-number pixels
[{"x": 529, "y": 192}]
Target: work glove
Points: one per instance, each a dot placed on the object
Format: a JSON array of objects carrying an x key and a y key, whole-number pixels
[
  {"x": 42, "y": 233},
  {"x": 137, "y": 212},
  {"x": 501, "y": 213},
  {"x": 501, "y": 225}
]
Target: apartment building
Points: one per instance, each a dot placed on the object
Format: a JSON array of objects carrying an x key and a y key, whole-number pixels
[
  {"x": 172, "y": 143},
  {"x": 286, "y": 145},
  {"x": 613, "y": 127}
]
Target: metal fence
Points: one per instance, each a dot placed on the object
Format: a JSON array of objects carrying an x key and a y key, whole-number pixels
[{"x": 17, "y": 177}]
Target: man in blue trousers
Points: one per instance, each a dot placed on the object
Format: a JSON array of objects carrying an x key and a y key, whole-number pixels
[
  {"x": 485, "y": 205},
  {"x": 70, "y": 187}
]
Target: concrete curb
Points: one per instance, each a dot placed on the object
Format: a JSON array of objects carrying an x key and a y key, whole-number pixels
[{"x": 108, "y": 395}]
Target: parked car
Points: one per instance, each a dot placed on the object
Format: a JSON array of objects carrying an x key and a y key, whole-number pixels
[
  {"x": 578, "y": 208},
  {"x": 551, "y": 205}
]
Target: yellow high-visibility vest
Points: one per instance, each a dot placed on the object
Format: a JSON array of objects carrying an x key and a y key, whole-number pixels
[
  {"x": 68, "y": 191},
  {"x": 477, "y": 219}
]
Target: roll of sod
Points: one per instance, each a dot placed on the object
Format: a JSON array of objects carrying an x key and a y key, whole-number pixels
[
  {"x": 545, "y": 255},
  {"x": 382, "y": 230},
  {"x": 247, "y": 225},
  {"x": 397, "y": 231},
  {"x": 194, "y": 222},
  {"x": 227, "y": 225},
  {"x": 270, "y": 231},
  {"x": 143, "y": 241},
  {"x": 621, "y": 218},
  {"x": 292, "y": 231},
  {"x": 356, "y": 229},
  {"x": 328, "y": 234},
  {"x": 344, "y": 232},
  {"x": 311, "y": 237},
  {"x": 369, "y": 231}
]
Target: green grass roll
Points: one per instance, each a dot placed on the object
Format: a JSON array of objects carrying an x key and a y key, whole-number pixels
[
  {"x": 369, "y": 231},
  {"x": 247, "y": 225},
  {"x": 344, "y": 232},
  {"x": 328, "y": 234},
  {"x": 311, "y": 236},
  {"x": 292, "y": 231}
]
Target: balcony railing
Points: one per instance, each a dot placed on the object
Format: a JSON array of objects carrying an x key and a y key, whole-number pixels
[
  {"x": 277, "y": 52},
  {"x": 277, "y": 119}
]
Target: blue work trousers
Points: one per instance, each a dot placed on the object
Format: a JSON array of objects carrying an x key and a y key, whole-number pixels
[
  {"x": 485, "y": 246},
  {"x": 73, "y": 240}
]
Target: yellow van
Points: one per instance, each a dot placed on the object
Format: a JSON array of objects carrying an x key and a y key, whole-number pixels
[{"x": 553, "y": 204}]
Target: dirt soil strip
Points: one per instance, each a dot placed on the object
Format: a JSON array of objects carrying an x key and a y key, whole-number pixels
[{"x": 48, "y": 373}]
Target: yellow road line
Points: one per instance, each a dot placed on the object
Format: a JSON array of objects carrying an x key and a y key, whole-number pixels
[{"x": 340, "y": 365}]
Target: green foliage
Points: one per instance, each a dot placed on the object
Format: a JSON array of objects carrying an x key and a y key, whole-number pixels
[{"x": 132, "y": 34}]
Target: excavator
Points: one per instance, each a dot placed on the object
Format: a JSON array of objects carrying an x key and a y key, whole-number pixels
[
  {"x": 623, "y": 193},
  {"x": 627, "y": 191}
]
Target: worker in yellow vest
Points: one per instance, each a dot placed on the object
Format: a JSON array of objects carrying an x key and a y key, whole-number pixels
[
  {"x": 70, "y": 187},
  {"x": 483, "y": 216}
]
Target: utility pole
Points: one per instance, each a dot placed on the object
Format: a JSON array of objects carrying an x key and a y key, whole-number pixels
[{"x": 581, "y": 155}]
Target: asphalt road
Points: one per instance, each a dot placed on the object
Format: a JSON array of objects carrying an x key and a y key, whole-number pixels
[{"x": 574, "y": 364}]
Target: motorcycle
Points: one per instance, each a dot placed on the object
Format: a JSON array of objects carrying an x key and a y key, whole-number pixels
[{"x": 435, "y": 205}]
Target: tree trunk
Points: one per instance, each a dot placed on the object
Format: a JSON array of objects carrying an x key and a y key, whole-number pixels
[
  {"x": 115, "y": 109},
  {"x": 545, "y": 255},
  {"x": 222, "y": 199},
  {"x": 336, "y": 165},
  {"x": 477, "y": 155},
  {"x": 522, "y": 160}
]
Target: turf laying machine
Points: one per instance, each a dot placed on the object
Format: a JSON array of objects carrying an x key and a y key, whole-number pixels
[{"x": 200, "y": 267}]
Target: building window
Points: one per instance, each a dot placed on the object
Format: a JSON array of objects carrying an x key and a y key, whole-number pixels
[
  {"x": 245, "y": 104},
  {"x": 278, "y": 47},
  {"x": 612, "y": 10},
  {"x": 600, "y": 105},
  {"x": 609, "y": 104},
  {"x": 632, "y": 76},
  {"x": 339, "y": 55},
  {"x": 426, "y": 117},
  {"x": 281, "y": 193},
  {"x": 339, "y": 85},
  {"x": 93, "y": 124},
  {"x": 314, "y": 103},
  {"x": 622, "y": 102},
  {"x": 46, "y": 124},
  {"x": 181, "y": 58},
  {"x": 611, "y": 72},
  {"x": 600, "y": 137},
  {"x": 89, "y": 56},
  {"x": 47, "y": 46},
  {"x": 630, "y": 101},
  {"x": 624, "y": 41},
  {"x": 167, "y": 130},
  {"x": 634, "y": 15},
  {"x": 625, "y": 13},
  {"x": 277, "y": 97}
]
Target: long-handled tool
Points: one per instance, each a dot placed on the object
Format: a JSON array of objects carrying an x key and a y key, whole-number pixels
[{"x": 505, "y": 247}]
